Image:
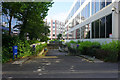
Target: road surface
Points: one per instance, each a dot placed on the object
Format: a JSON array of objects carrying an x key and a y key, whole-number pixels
[{"x": 56, "y": 65}]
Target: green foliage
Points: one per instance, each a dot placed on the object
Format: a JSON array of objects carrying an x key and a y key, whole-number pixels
[
  {"x": 55, "y": 41},
  {"x": 112, "y": 50},
  {"x": 33, "y": 41},
  {"x": 10, "y": 9},
  {"x": 59, "y": 36},
  {"x": 112, "y": 46},
  {"x": 72, "y": 41},
  {"x": 106, "y": 52},
  {"x": 40, "y": 47},
  {"x": 31, "y": 16},
  {"x": 24, "y": 48}
]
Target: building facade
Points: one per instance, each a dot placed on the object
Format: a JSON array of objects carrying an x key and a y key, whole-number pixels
[
  {"x": 93, "y": 19},
  {"x": 56, "y": 28}
]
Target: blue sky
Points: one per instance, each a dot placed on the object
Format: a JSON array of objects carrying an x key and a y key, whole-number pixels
[{"x": 59, "y": 10}]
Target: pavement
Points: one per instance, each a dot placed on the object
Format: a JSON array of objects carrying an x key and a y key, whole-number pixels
[
  {"x": 91, "y": 59},
  {"x": 57, "y": 65}
]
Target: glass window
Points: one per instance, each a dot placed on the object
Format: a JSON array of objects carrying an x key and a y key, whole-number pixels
[
  {"x": 88, "y": 10},
  {"x": 97, "y": 29},
  {"x": 53, "y": 30},
  {"x": 102, "y": 4},
  {"x": 108, "y": 2},
  {"x": 87, "y": 36},
  {"x": 78, "y": 33},
  {"x": 83, "y": 32},
  {"x": 77, "y": 5},
  {"x": 93, "y": 30},
  {"x": 82, "y": 16},
  {"x": 77, "y": 19},
  {"x": 93, "y": 7},
  {"x": 96, "y": 6},
  {"x": 82, "y": 1},
  {"x": 108, "y": 25},
  {"x": 102, "y": 27}
]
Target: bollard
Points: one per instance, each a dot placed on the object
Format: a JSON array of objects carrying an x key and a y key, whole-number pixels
[
  {"x": 77, "y": 49},
  {"x": 14, "y": 52},
  {"x": 33, "y": 48}
]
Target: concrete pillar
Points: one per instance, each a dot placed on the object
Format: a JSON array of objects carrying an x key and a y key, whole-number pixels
[{"x": 116, "y": 22}]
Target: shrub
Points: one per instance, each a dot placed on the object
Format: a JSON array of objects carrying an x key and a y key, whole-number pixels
[
  {"x": 113, "y": 50},
  {"x": 112, "y": 46},
  {"x": 24, "y": 48},
  {"x": 107, "y": 52},
  {"x": 72, "y": 42},
  {"x": 33, "y": 41}
]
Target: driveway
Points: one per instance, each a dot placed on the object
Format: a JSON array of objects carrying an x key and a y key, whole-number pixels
[{"x": 56, "y": 65}]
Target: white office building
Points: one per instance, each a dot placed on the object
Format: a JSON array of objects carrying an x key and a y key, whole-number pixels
[{"x": 93, "y": 20}]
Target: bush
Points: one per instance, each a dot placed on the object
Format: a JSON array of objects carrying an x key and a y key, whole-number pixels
[
  {"x": 106, "y": 52},
  {"x": 55, "y": 41},
  {"x": 33, "y": 41},
  {"x": 24, "y": 48},
  {"x": 8, "y": 42},
  {"x": 88, "y": 48},
  {"x": 112, "y": 49}
]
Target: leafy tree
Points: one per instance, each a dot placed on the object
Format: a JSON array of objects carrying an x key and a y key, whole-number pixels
[
  {"x": 10, "y": 9},
  {"x": 31, "y": 15},
  {"x": 59, "y": 36},
  {"x": 32, "y": 18}
]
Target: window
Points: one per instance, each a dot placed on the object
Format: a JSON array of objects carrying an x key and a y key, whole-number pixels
[
  {"x": 97, "y": 29},
  {"x": 82, "y": 1},
  {"x": 108, "y": 2},
  {"x": 53, "y": 26},
  {"x": 82, "y": 16},
  {"x": 53, "y": 30},
  {"x": 88, "y": 10},
  {"x": 102, "y": 27},
  {"x": 77, "y": 6},
  {"x": 53, "y": 34},
  {"x": 96, "y": 6},
  {"x": 87, "y": 33},
  {"x": 83, "y": 32},
  {"x": 102, "y": 4},
  {"x": 93, "y": 30},
  {"x": 93, "y": 7},
  {"x": 108, "y": 25},
  {"x": 78, "y": 33}
]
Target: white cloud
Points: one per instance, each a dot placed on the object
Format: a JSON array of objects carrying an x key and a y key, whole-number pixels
[
  {"x": 63, "y": 0},
  {"x": 60, "y": 16}
]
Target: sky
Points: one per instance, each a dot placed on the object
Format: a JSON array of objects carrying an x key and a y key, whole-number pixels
[{"x": 59, "y": 10}]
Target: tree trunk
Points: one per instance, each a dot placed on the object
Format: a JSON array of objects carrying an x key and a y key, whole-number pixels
[{"x": 10, "y": 25}]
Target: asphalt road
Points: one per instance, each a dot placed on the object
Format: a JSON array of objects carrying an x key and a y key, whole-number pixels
[{"x": 57, "y": 65}]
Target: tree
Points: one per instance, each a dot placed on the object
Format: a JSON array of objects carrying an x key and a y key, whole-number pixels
[
  {"x": 31, "y": 15},
  {"x": 59, "y": 36},
  {"x": 10, "y": 9}
]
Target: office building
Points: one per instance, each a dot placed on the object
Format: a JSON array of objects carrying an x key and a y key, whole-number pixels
[
  {"x": 56, "y": 28},
  {"x": 93, "y": 20}
]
